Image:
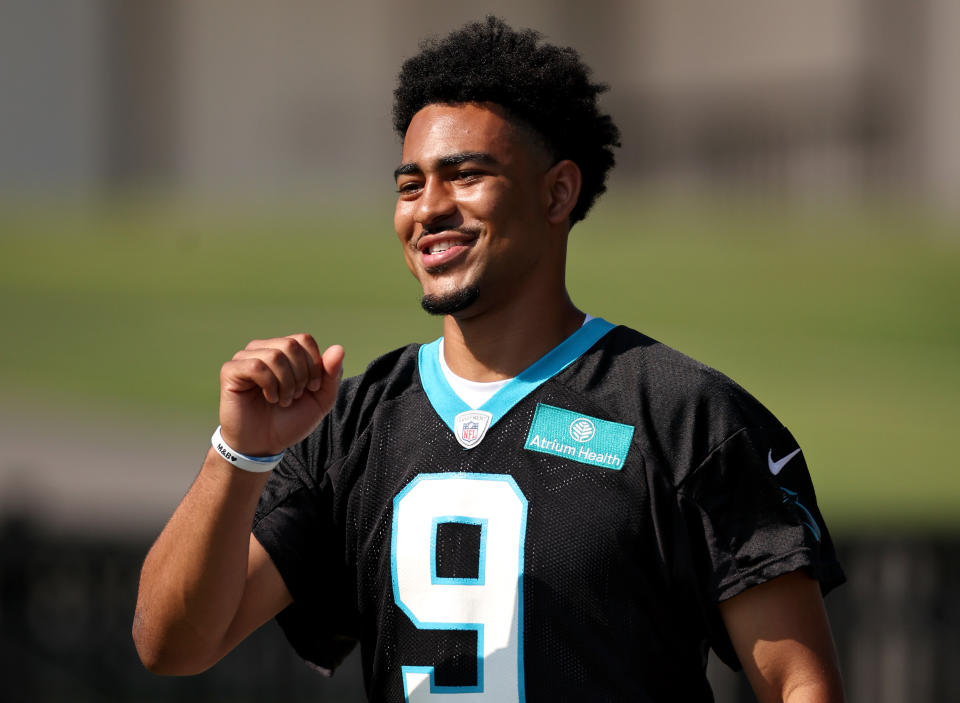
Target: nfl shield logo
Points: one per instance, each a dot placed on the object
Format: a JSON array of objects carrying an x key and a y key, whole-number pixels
[{"x": 470, "y": 426}]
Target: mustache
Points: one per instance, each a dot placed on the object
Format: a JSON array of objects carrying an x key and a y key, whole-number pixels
[{"x": 462, "y": 229}]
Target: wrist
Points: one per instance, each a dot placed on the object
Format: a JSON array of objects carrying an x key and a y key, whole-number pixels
[{"x": 245, "y": 462}]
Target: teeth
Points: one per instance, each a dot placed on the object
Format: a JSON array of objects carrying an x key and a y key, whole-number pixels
[{"x": 439, "y": 246}]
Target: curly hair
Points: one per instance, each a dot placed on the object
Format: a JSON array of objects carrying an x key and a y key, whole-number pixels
[{"x": 544, "y": 86}]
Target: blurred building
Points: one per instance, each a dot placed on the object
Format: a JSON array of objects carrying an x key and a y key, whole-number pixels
[{"x": 826, "y": 97}]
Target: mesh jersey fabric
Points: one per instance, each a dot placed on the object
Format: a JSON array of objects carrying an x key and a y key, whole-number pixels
[{"x": 621, "y": 570}]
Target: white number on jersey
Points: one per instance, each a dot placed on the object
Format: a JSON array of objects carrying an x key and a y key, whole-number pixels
[{"x": 491, "y": 604}]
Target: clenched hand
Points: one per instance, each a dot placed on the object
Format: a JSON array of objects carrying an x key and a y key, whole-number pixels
[{"x": 274, "y": 392}]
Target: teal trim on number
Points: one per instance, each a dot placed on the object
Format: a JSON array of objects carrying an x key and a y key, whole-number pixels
[{"x": 478, "y": 687}]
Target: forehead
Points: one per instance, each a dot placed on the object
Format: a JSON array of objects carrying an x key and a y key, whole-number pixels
[{"x": 440, "y": 130}]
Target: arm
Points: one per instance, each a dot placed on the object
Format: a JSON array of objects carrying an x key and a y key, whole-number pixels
[
  {"x": 206, "y": 582},
  {"x": 780, "y": 632}
]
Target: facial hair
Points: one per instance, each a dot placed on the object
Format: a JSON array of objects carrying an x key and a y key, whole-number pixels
[{"x": 453, "y": 302}]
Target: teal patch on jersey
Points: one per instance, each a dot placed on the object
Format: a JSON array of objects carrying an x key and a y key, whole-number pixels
[{"x": 579, "y": 437}]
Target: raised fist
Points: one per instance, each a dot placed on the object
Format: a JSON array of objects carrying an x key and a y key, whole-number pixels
[{"x": 274, "y": 392}]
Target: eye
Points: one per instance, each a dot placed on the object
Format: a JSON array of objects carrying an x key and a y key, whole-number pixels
[
  {"x": 467, "y": 175},
  {"x": 408, "y": 187}
]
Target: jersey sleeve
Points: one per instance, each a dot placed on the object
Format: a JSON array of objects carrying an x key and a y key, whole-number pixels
[
  {"x": 752, "y": 515},
  {"x": 302, "y": 518},
  {"x": 294, "y": 523}
]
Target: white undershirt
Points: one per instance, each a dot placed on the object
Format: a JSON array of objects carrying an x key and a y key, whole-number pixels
[{"x": 475, "y": 393}]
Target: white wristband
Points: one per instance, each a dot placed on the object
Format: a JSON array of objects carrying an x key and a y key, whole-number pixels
[{"x": 258, "y": 464}]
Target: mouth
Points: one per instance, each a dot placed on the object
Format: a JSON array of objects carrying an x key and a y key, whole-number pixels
[
  {"x": 444, "y": 248},
  {"x": 440, "y": 247}
]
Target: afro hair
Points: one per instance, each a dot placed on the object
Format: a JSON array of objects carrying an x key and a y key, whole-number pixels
[{"x": 544, "y": 86}]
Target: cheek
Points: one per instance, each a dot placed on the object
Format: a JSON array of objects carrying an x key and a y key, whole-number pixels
[
  {"x": 490, "y": 204},
  {"x": 404, "y": 223},
  {"x": 403, "y": 226},
  {"x": 512, "y": 210}
]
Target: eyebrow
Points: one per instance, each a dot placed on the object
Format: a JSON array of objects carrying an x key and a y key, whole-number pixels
[{"x": 413, "y": 168}]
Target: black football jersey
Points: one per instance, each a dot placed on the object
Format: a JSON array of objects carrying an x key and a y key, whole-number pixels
[{"x": 570, "y": 539}]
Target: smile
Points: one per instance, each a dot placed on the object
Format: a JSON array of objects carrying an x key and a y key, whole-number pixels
[
  {"x": 444, "y": 248},
  {"x": 438, "y": 247},
  {"x": 440, "y": 255}
]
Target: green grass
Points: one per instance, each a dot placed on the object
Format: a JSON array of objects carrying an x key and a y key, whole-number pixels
[{"x": 844, "y": 323}]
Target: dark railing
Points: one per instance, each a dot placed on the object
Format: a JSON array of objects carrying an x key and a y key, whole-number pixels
[{"x": 66, "y": 603}]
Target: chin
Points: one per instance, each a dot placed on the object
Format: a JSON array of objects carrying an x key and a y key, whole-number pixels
[{"x": 450, "y": 302}]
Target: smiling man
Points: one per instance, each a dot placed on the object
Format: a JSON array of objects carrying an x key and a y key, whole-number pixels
[{"x": 537, "y": 506}]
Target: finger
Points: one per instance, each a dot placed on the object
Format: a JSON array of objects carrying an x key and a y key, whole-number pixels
[
  {"x": 298, "y": 356},
  {"x": 332, "y": 363},
  {"x": 244, "y": 374},
  {"x": 332, "y": 360},
  {"x": 282, "y": 367},
  {"x": 257, "y": 344},
  {"x": 312, "y": 350}
]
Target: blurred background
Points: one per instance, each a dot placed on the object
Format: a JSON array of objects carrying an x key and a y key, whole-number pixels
[{"x": 177, "y": 178}]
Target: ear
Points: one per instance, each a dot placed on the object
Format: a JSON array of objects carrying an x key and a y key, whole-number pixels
[{"x": 562, "y": 186}]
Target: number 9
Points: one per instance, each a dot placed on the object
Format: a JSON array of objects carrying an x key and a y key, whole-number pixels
[{"x": 492, "y": 604}]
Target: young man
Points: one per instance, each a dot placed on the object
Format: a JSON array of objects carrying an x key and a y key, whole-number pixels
[{"x": 538, "y": 506}]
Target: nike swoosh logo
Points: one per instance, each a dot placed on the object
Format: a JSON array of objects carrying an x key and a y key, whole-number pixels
[{"x": 777, "y": 466}]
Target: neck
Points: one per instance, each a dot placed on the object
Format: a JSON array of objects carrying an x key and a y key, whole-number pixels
[{"x": 498, "y": 344}]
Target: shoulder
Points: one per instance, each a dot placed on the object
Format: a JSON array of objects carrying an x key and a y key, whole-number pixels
[
  {"x": 387, "y": 376},
  {"x": 645, "y": 370},
  {"x": 683, "y": 408}
]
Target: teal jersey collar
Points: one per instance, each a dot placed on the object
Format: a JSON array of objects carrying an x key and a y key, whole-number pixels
[{"x": 448, "y": 404}]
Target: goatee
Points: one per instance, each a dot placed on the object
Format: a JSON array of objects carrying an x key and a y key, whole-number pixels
[{"x": 448, "y": 304}]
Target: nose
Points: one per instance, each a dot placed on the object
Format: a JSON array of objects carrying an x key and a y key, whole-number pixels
[{"x": 435, "y": 203}]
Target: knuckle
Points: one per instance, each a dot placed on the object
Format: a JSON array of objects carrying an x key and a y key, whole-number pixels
[
  {"x": 258, "y": 366},
  {"x": 290, "y": 345},
  {"x": 272, "y": 355},
  {"x": 281, "y": 366}
]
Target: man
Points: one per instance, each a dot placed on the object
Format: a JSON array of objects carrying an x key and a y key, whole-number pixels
[{"x": 539, "y": 505}]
